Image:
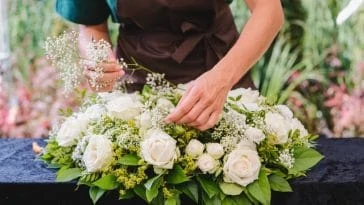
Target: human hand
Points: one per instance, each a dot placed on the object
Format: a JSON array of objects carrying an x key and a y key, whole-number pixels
[
  {"x": 111, "y": 72},
  {"x": 203, "y": 101}
]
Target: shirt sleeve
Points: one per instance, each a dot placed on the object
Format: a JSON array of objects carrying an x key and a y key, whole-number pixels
[{"x": 88, "y": 12}]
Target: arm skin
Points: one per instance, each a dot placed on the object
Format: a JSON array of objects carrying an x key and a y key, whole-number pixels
[
  {"x": 202, "y": 103},
  {"x": 112, "y": 71}
]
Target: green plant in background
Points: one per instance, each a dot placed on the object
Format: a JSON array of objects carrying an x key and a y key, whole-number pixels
[{"x": 30, "y": 23}]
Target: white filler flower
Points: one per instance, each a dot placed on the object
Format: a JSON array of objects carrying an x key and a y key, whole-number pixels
[
  {"x": 159, "y": 149},
  {"x": 195, "y": 148},
  {"x": 98, "y": 153},
  {"x": 207, "y": 164},
  {"x": 70, "y": 131},
  {"x": 242, "y": 167},
  {"x": 125, "y": 107}
]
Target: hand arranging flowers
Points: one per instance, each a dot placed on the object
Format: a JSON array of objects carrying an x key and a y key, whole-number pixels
[{"x": 120, "y": 141}]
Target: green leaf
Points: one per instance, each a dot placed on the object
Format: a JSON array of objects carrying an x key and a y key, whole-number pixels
[
  {"x": 152, "y": 186},
  {"x": 191, "y": 190},
  {"x": 228, "y": 201},
  {"x": 236, "y": 200},
  {"x": 107, "y": 182},
  {"x": 241, "y": 200},
  {"x": 209, "y": 186},
  {"x": 231, "y": 188},
  {"x": 127, "y": 195},
  {"x": 305, "y": 158},
  {"x": 260, "y": 189},
  {"x": 238, "y": 98},
  {"x": 250, "y": 197},
  {"x": 140, "y": 191},
  {"x": 159, "y": 200},
  {"x": 65, "y": 175},
  {"x": 129, "y": 160},
  {"x": 215, "y": 200},
  {"x": 278, "y": 183},
  {"x": 170, "y": 201},
  {"x": 95, "y": 193},
  {"x": 177, "y": 176}
]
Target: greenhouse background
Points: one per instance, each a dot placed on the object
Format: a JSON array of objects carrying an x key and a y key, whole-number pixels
[{"x": 315, "y": 65}]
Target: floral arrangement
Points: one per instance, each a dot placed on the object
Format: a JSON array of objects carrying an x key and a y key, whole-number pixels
[{"x": 120, "y": 141}]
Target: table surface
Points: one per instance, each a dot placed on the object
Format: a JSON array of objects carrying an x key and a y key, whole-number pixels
[{"x": 337, "y": 179}]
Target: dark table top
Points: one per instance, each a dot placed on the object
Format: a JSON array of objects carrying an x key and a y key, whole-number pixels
[{"x": 337, "y": 179}]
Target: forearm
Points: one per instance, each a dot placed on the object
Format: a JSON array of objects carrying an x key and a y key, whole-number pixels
[
  {"x": 257, "y": 35},
  {"x": 89, "y": 32}
]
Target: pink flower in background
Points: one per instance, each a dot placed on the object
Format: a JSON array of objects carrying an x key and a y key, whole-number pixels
[
  {"x": 347, "y": 107},
  {"x": 35, "y": 107}
]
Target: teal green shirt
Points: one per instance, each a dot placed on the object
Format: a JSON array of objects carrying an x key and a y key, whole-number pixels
[{"x": 89, "y": 12}]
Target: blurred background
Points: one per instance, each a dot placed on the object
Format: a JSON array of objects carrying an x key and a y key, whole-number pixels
[{"x": 319, "y": 56}]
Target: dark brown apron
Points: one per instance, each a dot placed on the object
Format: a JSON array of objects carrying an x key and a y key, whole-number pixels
[{"x": 181, "y": 38}]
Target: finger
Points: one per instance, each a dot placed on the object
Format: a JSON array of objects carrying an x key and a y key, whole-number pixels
[
  {"x": 202, "y": 119},
  {"x": 194, "y": 113},
  {"x": 185, "y": 106},
  {"x": 211, "y": 122},
  {"x": 105, "y": 77},
  {"x": 185, "y": 94},
  {"x": 112, "y": 56},
  {"x": 106, "y": 88},
  {"x": 107, "y": 67}
]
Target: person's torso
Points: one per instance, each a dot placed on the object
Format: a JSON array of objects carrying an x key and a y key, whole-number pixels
[{"x": 181, "y": 39}]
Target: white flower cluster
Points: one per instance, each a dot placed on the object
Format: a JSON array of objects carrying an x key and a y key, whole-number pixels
[
  {"x": 64, "y": 54},
  {"x": 96, "y": 52},
  {"x": 115, "y": 130},
  {"x": 207, "y": 162},
  {"x": 158, "y": 83},
  {"x": 246, "y": 127},
  {"x": 286, "y": 158}
]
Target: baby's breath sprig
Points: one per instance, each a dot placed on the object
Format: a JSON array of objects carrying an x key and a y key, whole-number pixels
[
  {"x": 64, "y": 54},
  {"x": 97, "y": 52}
]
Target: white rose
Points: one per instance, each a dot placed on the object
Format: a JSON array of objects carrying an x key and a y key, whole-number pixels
[
  {"x": 70, "y": 131},
  {"x": 247, "y": 95},
  {"x": 125, "y": 107},
  {"x": 285, "y": 111},
  {"x": 159, "y": 149},
  {"x": 278, "y": 125},
  {"x": 98, "y": 153},
  {"x": 242, "y": 167},
  {"x": 94, "y": 112},
  {"x": 297, "y": 125},
  {"x": 216, "y": 150},
  {"x": 207, "y": 164},
  {"x": 194, "y": 148},
  {"x": 246, "y": 144},
  {"x": 254, "y": 134},
  {"x": 165, "y": 104}
]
